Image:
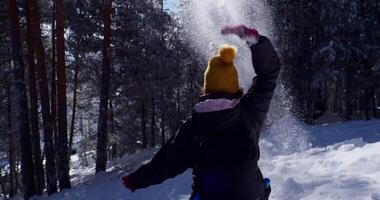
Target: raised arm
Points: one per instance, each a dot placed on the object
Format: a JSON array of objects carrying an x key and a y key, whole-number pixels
[
  {"x": 172, "y": 159},
  {"x": 256, "y": 101}
]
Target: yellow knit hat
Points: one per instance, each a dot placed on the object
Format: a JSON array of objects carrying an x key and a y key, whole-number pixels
[{"x": 221, "y": 74}]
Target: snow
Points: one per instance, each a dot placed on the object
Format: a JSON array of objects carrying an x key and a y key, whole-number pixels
[
  {"x": 341, "y": 163},
  {"x": 346, "y": 170}
]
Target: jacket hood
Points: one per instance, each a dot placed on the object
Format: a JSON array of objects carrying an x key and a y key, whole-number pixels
[
  {"x": 213, "y": 105},
  {"x": 212, "y": 115}
]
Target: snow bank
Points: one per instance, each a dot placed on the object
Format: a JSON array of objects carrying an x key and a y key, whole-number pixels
[
  {"x": 347, "y": 170},
  {"x": 109, "y": 186},
  {"x": 343, "y": 164},
  {"x": 329, "y": 134}
]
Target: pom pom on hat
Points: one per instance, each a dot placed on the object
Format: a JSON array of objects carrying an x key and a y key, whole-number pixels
[{"x": 227, "y": 53}]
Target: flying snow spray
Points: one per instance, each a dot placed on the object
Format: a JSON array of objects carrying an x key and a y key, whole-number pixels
[{"x": 203, "y": 21}]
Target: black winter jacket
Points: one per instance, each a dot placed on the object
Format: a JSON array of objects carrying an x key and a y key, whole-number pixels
[{"x": 221, "y": 146}]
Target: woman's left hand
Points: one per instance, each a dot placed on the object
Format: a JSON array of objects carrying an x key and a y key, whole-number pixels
[{"x": 128, "y": 184}]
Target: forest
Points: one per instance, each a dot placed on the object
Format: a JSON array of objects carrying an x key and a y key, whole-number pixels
[{"x": 103, "y": 78}]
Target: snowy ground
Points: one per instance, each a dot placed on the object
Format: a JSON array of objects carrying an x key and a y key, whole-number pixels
[{"x": 341, "y": 161}]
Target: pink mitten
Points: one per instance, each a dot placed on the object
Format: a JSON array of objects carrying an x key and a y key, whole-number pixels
[{"x": 249, "y": 34}]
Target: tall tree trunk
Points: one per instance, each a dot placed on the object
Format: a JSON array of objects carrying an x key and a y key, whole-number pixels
[
  {"x": 76, "y": 72},
  {"x": 53, "y": 99},
  {"x": 348, "y": 111},
  {"x": 373, "y": 101},
  {"x": 341, "y": 101},
  {"x": 21, "y": 104},
  {"x": 89, "y": 130},
  {"x": 63, "y": 153},
  {"x": 12, "y": 148},
  {"x": 113, "y": 151},
  {"x": 143, "y": 125},
  {"x": 179, "y": 116},
  {"x": 162, "y": 126},
  {"x": 162, "y": 122},
  {"x": 18, "y": 185},
  {"x": 32, "y": 7},
  {"x": 2, "y": 186},
  {"x": 366, "y": 102},
  {"x": 5, "y": 128},
  {"x": 101, "y": 148},
  {"x": 153, "y": 125},
  {"x": 38, "y": 166},
  {"x": 178, "y": 103}
]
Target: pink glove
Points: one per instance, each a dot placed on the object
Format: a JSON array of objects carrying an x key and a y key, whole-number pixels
[{"x": 249, "y": 34}]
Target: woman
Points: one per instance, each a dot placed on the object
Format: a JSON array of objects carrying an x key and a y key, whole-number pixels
[{"x": 220, "y": 141}]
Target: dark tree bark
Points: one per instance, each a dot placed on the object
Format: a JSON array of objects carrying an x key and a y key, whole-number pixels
[
  {"x": 32, "y": 7},
  {"x": 21, "y": 104},
  {"x": 89, "y": 130},
  {"x": 18, "y": 185},
  {"x": 143, "y": 125},
  {"x": 113, "y": 151},
  {"x": 2, "y": 186},
  {"x": 76, "y": 72},
  {"x": 101, "y": 148},
  {"x": 4, "y": 123},
  {"x": 53, "y": 99},
  {"x": 366, "y": 96},
  {"x": 162, "y": 122},
  {"x": 12, "y": 148},
  {"x": 33, "y": 100},
  {"x": 178, "y": 104},
  {"x": 373, "y": 101},
  {"x": 348, "y": 97},
  {"x": 310, "y": 105},
  {"x": 63, "y": 160},
  {"x": 153, "y": 125}
]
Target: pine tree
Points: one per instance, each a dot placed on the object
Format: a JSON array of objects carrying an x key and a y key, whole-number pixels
[
  {"x": 12, "y": 147},
  {"x": 63, "y": 160},
  {"x": 53, "y": 76},
  {"x": 101, "y": 150},
  {"x": 21, "y": 104},
  {"x": 51, "y": 179},
  {"x": 39, "y": 168}
]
